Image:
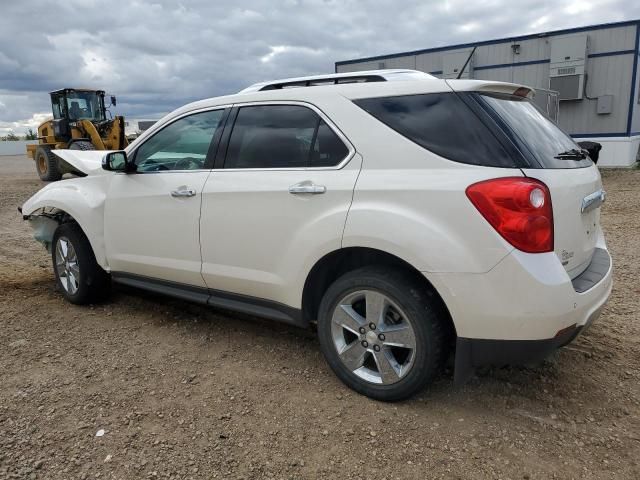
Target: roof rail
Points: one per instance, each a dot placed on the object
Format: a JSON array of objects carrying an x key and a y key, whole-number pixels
[
  {"x": 339, "y": 78},
  {"x": 321, "y": 81}
]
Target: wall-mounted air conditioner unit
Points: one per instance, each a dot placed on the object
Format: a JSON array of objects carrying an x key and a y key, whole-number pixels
[
  {"x": 452, "y": 63},
  {"x": 568, "y": 66}
]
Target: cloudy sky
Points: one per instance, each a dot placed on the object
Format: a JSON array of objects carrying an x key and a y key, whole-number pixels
[{"x": 157, "y": 55}]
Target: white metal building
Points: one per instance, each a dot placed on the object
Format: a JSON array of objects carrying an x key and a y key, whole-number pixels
[{"x": 594, "y": 69}]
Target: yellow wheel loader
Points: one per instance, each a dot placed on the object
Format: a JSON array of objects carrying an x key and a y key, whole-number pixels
[{"x": 79, "y": 123}]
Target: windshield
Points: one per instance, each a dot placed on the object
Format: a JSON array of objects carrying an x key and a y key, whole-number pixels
[
  {"x": 85, "y": 105},
  {"x": 537, "y": 137}
]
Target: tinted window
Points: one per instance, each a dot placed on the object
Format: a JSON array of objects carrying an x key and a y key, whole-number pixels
[
  {"x": 182, "y": 145},
  {"x": 534, "y": 134},
  {"x": 282, "y": 136},
  {"x": 328, "y": 150},
  {"x": 443, "y": 124}
]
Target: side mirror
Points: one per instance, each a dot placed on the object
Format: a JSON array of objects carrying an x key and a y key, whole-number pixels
[
  {"x": 116, "y": 162},
  {"x": 593, "y": 148},
  {"x": 113, "y": 100}
]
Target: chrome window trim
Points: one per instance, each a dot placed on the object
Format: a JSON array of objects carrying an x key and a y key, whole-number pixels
[
  {"x": 351, "y": 153},
  {"x": 199, "y": 170}
]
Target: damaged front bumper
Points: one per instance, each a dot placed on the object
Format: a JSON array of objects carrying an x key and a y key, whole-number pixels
[{"x": 44, "y": 224}]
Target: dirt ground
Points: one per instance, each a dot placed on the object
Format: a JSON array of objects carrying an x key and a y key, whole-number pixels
[{"x": 182, "y": 391}]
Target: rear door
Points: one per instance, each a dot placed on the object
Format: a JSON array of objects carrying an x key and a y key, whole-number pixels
[
  {"x": 277, "y": 201},
  {"x": 573, "y": 180}
]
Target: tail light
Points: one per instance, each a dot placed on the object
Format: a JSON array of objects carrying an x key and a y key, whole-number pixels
[{"x": 519, "y": 209}]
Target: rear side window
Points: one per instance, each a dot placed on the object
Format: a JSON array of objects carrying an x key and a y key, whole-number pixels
[
  {"x": 443, "y": 124},
  {"x": 282, "y": 136}
]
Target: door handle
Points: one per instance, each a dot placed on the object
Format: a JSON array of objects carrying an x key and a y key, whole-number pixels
[
  {"x": 307, "y": 187},
  {"x": 183, "y": 192}
]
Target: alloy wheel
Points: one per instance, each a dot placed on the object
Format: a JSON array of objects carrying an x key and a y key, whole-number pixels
[
  {"x": 67, "y": 265},
  {"x": 373, "y": 337}
]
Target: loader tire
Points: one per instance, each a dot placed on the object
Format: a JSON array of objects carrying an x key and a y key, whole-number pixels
[
  {"x": 82, "y": 145},
  {"x": 47, "y": 164}
]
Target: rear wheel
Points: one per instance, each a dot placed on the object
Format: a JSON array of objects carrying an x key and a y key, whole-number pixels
[
  {"x": 381, "y": 333},
  {"x": 79, "y": 277},
  {"x": 47, "y": 164}
]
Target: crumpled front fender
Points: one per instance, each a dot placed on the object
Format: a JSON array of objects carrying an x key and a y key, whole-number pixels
[{"x": 81, "y": 198}]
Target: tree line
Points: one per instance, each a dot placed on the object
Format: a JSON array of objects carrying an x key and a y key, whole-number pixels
[{"x": 12, "y": 137}]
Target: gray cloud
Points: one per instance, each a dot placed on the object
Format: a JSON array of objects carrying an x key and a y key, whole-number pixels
[{"x": 157, "y": 55}]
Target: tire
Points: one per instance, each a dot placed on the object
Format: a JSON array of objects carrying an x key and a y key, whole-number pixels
[
  {"x": 82, "y": 145},
  {"x": 407, "y": 308},
  {"x": 47, "y": 164},
  {"x": 78, "y": 276}
]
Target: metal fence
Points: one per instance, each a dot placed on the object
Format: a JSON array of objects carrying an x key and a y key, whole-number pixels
[
  {"x": 18, "y": 147},
  {"x": 548, "y": 102}
]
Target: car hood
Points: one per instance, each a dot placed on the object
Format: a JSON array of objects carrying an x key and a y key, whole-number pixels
[{"x": 88, "y": 162}]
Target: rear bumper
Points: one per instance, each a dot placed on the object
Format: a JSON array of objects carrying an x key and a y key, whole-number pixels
[
  {"x": 523, "y": 309},
  {"x": 477, "y": 352},
  {"x": 524, "y": 297}
]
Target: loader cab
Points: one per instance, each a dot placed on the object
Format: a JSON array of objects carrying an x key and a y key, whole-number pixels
[{"x": 71, "y": 105}]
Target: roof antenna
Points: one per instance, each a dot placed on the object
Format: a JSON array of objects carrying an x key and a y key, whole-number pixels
[{"x": 467, "y": 62}]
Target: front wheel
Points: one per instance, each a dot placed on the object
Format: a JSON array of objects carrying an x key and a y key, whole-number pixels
[
  {"x": 82, "y": 145},
  {"x": 381, "y": 333},
  {"x": 79, "y": 277},
  {"x": 47, "y": 164}
]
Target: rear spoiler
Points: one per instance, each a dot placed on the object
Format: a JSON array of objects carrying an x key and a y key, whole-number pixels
[{"x": 495, "y": 87}]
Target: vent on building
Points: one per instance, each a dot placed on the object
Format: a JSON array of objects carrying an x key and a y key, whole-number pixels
[
  {"x": 566, "y": 71},
  {"x": 569, "y": 87}
]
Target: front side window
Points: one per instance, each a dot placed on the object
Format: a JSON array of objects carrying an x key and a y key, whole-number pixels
[
  {"x": 182, "y": 145},
  {"x": 282, "y": 136},
  {"x": 57, "y": 103}
]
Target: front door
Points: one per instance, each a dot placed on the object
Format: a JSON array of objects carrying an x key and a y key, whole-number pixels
[{"x": 152, "y": 215}]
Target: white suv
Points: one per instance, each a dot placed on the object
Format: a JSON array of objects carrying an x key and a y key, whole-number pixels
[{"x": 409, "y": 217}]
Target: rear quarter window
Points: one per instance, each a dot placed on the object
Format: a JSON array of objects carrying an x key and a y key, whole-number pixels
[{"x": 443, "y": 124}]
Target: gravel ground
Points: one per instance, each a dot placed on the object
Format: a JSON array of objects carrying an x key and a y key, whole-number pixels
[{"x": 182, "y": 391}]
